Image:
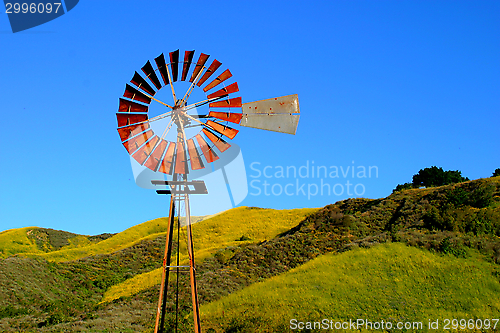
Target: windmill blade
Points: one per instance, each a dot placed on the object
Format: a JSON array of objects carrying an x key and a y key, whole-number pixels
[
  {"x": 224, "y": 130},
  {"x": 129, "y": 106},
  {"x": 209, "y": 153},
  {"x": 188, "y": 58},
  {"x": 174, "y": 64},
  {"x": 218, "y": 142},
  {"x": 162, "y": 67},
  {"x": 139, "y": 81},
  {"x": 132, "y": 130},
  {"x": 227, "y": 103},
  {"x": 181, "y": 166},
  {"x": 134, "y": 94},
  {"x": 232, "y": 88},
  {"x": 154, "y": 159},
  {"x": 227, "y": 116},
  {"x": 219, "y": 79},
  {"x": 166, "y": 165},
  {"x": 150, "y": 74},
  {"x": 199, "y": 66},
  {"x": 194, "y": 156},
  {"x": 213, "y": 67},
  {"x": 126, "y": 119},
  {"x": 278, "y": 114},
  {"x": 142, "y": 153},
  {"x": 133, "y": 144}
]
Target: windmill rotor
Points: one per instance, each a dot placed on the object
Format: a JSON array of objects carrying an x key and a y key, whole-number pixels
[
  {"x": 164, "y": 143},
  {"x": 153, "y": 151}
]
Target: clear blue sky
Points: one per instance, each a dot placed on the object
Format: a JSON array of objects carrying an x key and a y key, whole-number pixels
[{"x": 396, "y": 85}]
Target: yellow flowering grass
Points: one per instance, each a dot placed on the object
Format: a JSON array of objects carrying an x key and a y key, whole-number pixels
[
  {"x": 217, "y": 233},
  {"x": 390, "y": 282}
]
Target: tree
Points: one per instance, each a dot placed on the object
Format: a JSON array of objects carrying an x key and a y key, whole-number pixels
[
  {"x": 452, "y": 177},
  {"x": 401, "y": 187},
  {"x": 435, "y": 176},
  {"x": 496, "y": 173}
]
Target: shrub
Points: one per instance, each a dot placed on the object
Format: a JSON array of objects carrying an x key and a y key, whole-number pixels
[
  {"x": 435, "y": 220},
  {"x": 479, "y": 197},
  {"x": 483, "y": 196},
  {"x": 449, "y": 247},
  {"x": 458, "y": 197},
  {"x": 10, "y": 311}
]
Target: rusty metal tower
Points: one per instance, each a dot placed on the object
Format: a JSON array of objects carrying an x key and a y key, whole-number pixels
[{"x": 178, "y": 156}]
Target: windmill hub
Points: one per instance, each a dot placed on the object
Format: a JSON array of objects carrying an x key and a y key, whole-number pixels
[{"x": 180, "y": 115}]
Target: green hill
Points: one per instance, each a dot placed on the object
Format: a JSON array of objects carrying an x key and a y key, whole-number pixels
[
  {"x": 58, "y": 281},
  {"x": 34, "y": 240},
  {"x": 218, "y": 231},
  {"x": 242, "y": 225},
  {"x": 16, "y": 241},
  {"x": 398, "y": 284}
]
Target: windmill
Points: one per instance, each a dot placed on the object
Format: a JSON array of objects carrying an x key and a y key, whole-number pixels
[{"x": 175, "y": 157}]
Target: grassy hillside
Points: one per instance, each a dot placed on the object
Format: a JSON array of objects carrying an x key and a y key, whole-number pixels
[
  {"x": 16, "y": 241},
  {"x": 402, "y": 217},
  {"x": 61, "y": 291},
  {"x": 34, "y": 240},
  {"x": 237, "y": 226},
  {"x": 77, "y": 283},
  {"x": 398, "y": 283},
  {"x": 256, "y": 224},
  {"x": 122, "y": 240}
]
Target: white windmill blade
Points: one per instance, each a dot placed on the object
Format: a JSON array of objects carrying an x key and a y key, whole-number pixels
[{"x": 280, "y": 114}]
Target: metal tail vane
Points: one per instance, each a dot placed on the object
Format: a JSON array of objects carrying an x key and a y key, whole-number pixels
[{"x": 177, "y": 157}]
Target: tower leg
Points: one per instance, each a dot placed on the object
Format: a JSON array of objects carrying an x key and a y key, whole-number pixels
[
  {"x": 192, "y": 270},
  {"x": 162, "y": 300}
]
